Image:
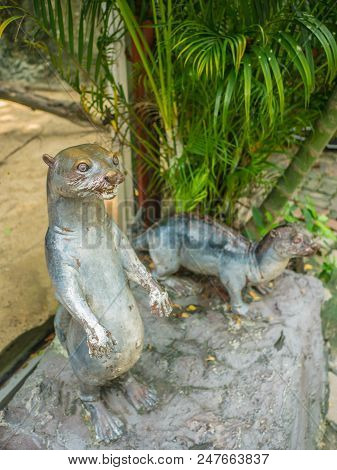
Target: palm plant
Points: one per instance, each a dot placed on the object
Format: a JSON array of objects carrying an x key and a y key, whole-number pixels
[
  {"x": 249, "y": 59},
  {"x": 227, "y": 83}
]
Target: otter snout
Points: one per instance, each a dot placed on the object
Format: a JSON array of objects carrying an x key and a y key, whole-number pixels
[
  {"x": 314, "y": 247},
  {"x": 114, "y": 177}
]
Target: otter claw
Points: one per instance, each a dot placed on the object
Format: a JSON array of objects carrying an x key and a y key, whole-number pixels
[
  {"x": 160, "y": 303},
  {"x": 101, "y": 343},
  {"x": 141, "y": 397},
  {"x": 108, "y": 428}
]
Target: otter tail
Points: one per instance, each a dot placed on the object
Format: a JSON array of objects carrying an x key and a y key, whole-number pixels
[{"x": 141, "y": 243}]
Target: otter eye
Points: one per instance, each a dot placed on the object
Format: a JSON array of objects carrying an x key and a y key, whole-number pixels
[
  {"x": 83, "y": 167},
  {"x": 115, "y": 160}
]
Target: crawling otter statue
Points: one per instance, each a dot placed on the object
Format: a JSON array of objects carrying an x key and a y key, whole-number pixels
[
  {"x": 90, "y": 262},
  {"x": 206, "y": 247}
]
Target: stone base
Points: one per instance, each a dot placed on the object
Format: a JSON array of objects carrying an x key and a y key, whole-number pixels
[{"x": 224, "y": 382}]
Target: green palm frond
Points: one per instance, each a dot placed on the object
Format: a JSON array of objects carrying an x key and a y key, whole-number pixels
[
  {"x": 211, "y": 52},
  {"x": 298, "y": 59},
  {"x": 7, "y": 22},
  {"x": 324, "y": 37},
  {"x": 207, "y": 49},
  {"x": 193, "y": 191},
  {"x": 247, "y": 74},
  {"x": 76, "y": 49}
]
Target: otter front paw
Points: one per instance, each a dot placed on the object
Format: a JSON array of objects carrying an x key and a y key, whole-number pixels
[
  {"x": 241, "y": 309},
  {"x": 160, "y": 303},
  {"x": 101, "y": 343}
]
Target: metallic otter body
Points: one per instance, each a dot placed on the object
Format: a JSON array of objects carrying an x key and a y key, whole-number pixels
[
  {"x": 206, "y": 247},
  {"x": 100, "y": 276},
  {"x": 90, "y": 262}
]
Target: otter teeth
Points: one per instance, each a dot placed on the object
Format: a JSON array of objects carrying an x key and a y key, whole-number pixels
[{"x": 110, "y": 192}]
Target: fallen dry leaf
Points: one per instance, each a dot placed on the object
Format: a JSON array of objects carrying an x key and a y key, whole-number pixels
[
  {"x": 191, "y": 308},
  {"x": 177, "y": 306},
  {"x": 237, "y": 319},
  {"x": 254, "y": 295},
  {"x": 210, "y": 358}
]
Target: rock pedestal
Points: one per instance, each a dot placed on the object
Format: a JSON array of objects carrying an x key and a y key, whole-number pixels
[{"x": 224, "y": 382}]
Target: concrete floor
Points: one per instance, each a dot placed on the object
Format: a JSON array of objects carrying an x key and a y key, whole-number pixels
[{"x": 26, "y": 297}]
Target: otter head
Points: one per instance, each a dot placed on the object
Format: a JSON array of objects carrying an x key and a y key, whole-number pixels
[
  {"x": 291, "y": 240},
  {"x": 85, "y": 171}
]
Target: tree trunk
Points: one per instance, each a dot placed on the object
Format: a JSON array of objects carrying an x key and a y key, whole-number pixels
[
  {"x": 306, "y": 156},
  {"x": 64, "y": 109}
]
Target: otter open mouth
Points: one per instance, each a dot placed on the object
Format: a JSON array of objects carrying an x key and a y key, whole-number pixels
[
  {"x": 310, "y": 251},
  {"x": 110, "y": 193}
]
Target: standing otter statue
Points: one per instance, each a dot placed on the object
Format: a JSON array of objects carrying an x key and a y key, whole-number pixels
[
  {"x": 206, "y": 247},
  {"x": 90, "y": 262}
]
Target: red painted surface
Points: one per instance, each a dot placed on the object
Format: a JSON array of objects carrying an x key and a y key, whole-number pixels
[{"x": 143, "y": 171}]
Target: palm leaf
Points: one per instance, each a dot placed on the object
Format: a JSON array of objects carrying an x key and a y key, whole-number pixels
[
  {"x": 58, "y": 7},
  {"x": 7, "y": 22},
  {"x": 326, "y": 40},
  {"x": 299, "y": 60},
  {"x": 43, "y": 12},
  {"x": 207, "y": 49},
  {"x": 247, "y": 72},
  {"x": 90, "y": 45},
  {"x": 278, "y": 78},
  {"x": 52, "y": 18},
  {"x": 81, "y": 38},
  {"x": 217, "y": 103},
  {"x": 37, "y": 10},
  {"x": 264, "y": 63},
  {"x": 70, "y": 28},
  {"x": 231, "y": 81}
]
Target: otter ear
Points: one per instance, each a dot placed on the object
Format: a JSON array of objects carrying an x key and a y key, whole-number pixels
[{"x": 49, "y": 160}]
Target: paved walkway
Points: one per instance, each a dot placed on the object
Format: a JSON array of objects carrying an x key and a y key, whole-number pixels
[{"x": 321, "y": 186}]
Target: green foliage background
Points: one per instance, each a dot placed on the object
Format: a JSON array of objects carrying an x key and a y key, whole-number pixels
[{"x": 227, "y": 83}]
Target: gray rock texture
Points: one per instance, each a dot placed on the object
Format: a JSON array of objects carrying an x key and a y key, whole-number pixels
[{"x": 224, "y": 382}]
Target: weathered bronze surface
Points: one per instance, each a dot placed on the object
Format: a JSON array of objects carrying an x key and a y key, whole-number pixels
[
  {"x": 206, "y": 247},
  {"x": 90, "y": 262}
]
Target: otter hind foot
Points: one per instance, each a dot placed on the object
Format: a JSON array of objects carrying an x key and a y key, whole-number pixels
[
  {"x": 108, "y": 428},
  {"x": 264, "y": 289},
  {"x": 142, "y": 397}
]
